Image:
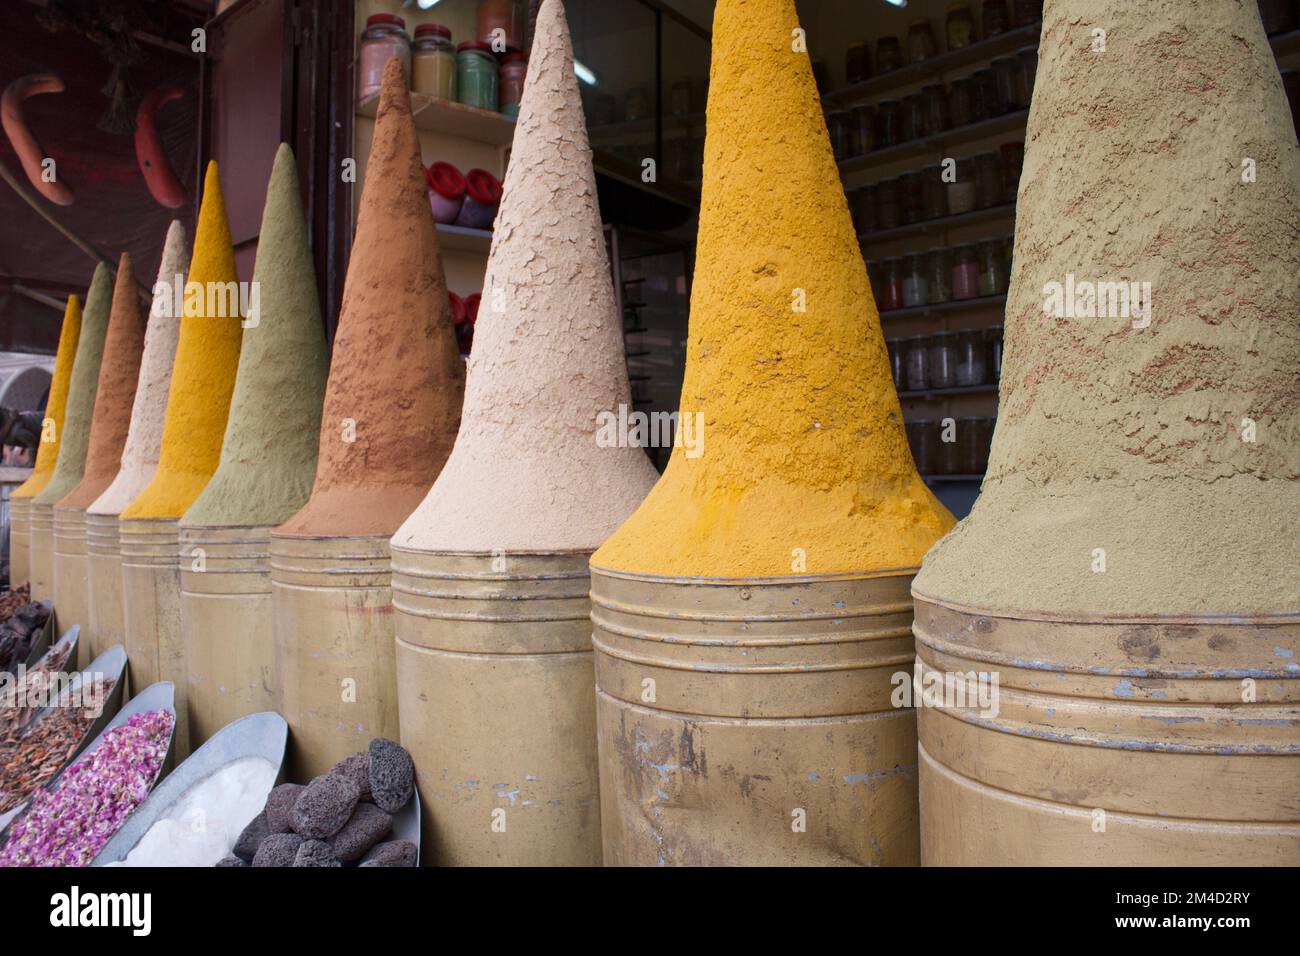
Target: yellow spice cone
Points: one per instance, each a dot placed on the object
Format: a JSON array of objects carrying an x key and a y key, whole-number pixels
[
  {"x": 203, "y": 378},
  {"x": 47, "y": 453},
  {"x": 762, "y": 588}
]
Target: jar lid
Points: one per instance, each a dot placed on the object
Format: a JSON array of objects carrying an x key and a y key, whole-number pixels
[
  {"x": 433, "y": 29},
  {"x": 475, "y": 45},
  {"x": 514, "y": 56},
  {"x": 446, "y": 180},
  {"x": 484, "y": 188},
  {"x": 391, "y": 19}
]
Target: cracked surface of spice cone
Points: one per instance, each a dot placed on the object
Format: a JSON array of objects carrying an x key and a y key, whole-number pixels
[
  {"x": 1128, "y": 572},
  {"x": 392, "y": 405},
  {"x": 750, "y": 617},
  {"x": 495, "y": 683}
]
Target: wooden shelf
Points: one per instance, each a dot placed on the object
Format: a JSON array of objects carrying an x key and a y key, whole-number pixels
[
  {"x": 973, "y": 218},
  {"x": 932, "y": 393},
  {"x": 464, "y": 240},
  {"x": 946, "y": 308},
  {"x": 450, "y": 118},
  {"x": 936, "y": 143},
  {"x": 936, "y": 67}
]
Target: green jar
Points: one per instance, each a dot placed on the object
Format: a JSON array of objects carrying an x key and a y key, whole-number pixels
[{"x": 476, "y": 75}]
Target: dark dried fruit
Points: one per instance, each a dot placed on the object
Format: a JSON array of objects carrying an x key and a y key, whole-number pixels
[
  {"x": 396, "y": 853},
  {"x": 324, "y": 806},
  {"x": 278, "y": 805},
  {"x": 278, "y": 849},
  {"x": 392, "y": 775},
  {"x": 366, "y": 827}
]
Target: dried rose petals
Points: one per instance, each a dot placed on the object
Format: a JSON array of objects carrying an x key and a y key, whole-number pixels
[{"x": 69, "y": 825}]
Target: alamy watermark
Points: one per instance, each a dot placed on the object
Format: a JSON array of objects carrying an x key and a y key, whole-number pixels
[
  {"x": 952, "y": 690},
  {"x": 629, "y": 429},
  {"x": 216, "y": 300},
  {"x": 1098, "y": 300}
]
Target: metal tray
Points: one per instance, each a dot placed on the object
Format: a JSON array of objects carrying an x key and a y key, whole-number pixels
[
  {"x": 43, "y": 637},
  {"x": 258, "y": 735}
]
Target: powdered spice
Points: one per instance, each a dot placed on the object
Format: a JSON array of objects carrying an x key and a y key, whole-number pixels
[{"x": 47, "y": 453}]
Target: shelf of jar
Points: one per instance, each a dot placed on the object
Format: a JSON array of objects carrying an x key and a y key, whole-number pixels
[
  {"x": 936, "y": 67},
  {"x": 436, "y": 115},
  {"x": 643, "y": 130},
  {"x": 933, "y": 393},
  {"x": 616, "y": 167},
  {"x": 973, "y": 218},
  {"x": 946, "y": 308},
  {"x": 935, "y": 143},
  {"x": 464, "y": 240}
]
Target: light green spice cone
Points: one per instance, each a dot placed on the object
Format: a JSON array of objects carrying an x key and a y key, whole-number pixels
[
  {"x": 75, "y": 440},
  {"x": 268, "y": 456}
]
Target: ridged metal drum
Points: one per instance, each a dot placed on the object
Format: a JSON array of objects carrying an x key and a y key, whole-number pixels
[
  {"x": 40, "y": 525},
  {"x": 333, "y": 618},
  {"x": 104, "y": 561},
  {"x": 497, "y": 706},
  {"x": 151, "y": 611},
  {"x": 20, "y": 541},
  {"x": 1172, "y": 742},
  {"x": 226, "y": 623},
  {"x": 750, "y": 721},
  {"x": 71, "y": 578}
]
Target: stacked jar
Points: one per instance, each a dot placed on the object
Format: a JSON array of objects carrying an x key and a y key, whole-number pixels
[
  {"x": 476, "y": 75},
  {"x": 383, "y": 39},
  {"x": 433, "y": 62}
]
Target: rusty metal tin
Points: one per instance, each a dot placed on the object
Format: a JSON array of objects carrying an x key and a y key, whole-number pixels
[
  {"x": 20, "y": 540},
  {"x": 1113, "y": 742},
  {"x": 750, "y": 721},
  {"x": 104, "y": 563},
  {"x": 495, "y": 692},
  {"x": 333, "y": 620},
  {"x": 71, "y": 572},
  {"x": 225, "y": 576},
  {"x": 151, "y": 611},
  {"x": 41, "y": 537}
]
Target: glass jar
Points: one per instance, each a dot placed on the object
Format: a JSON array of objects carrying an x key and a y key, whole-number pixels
[
  {"x": 476, "y": 75},
  {"x": 972, "y": 359},
  {"x": 513, "y": 69},
  {"x": 939, "y": 286},
  {"x": 960, "y": 26},
  {"x": 865, "y": 118},
  {"x": 934, "y": 193},
  {"x": 864, "y": 209},
  {"x": 942, "y": 363},
  {"x": 681, "y": 98},
  {"x": 909, "y": 198},
  {"x": 985, "y": 102},
  {"x": 888, "y": 204},
  {"x": 383, "y": 39},
  {"x": 1028, "y": 59},
  {"x": 1005, "y": 69},
  {"x": 995, "y": 19},
  {"x": 965, "y": 273},
  {"x": 1025, "y": 12},
  {"x": 891, "y": 285},
  {"x": 934, "y": 100},
  {"x": 857, "y": 62},
  {"x": 988, "y": 180},
  {"x": 889, "y": 54},
  {"x": 915, "y": 281},
  {"x": 920, "y": 41},
  {"x": 961, "y": 102},
  {"x": 433, "y": 62},
  {"x": 1011, "y": 159},
  {"x": 895, "y": 347},
  {"x": 994, "y": 338},
  {"x": 974, "y": 435},
  {"x": 507, "y": 16},
  {"x": 843, "y": 133},
  {"x": 916, "y": 362},
  {"x": 821, "y": 76},
  {"x": 873, "y": 279},
  {"x": 947, "y": 454},
  {"x": 993, "y": 270},
  {"x": 961, "y": 191},
  {"x": 887, "y": 124},
  {"x": 912, "y": 119},
  {"x": 921, "y": 436},
  {"x": 636, "y": 105}
]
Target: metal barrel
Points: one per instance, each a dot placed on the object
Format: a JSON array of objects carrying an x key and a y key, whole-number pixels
[
  {"x": 104, "y": 564},
  {"x": 1171, "y": 741},
  {"x": 495, "y": 690},
  {"x": 333, "y": 617},
  {"x": 225, "y": 578},
  {"x": 751, "y": 722},
  {"x": 20, "y": 541},
  {"x": 151, "y": 611},
  {"x": 41, "y": 543},
  {"x": 71, "y": 585}
]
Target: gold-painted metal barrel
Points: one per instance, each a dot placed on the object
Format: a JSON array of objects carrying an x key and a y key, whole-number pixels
[
  {"x": 751, "y": 722},
  {"x": 151, "y": 611},
  {"x": 497, "y": 706},
  {"x": 1170, "y": 742},
  {"x": 71, "y": 578},
  {"x": 333, "y": 619},
  {"x": 40, "y": 525},
  {"x": 226, "y": 623},
  {"x": 20, "y": 541},
  {"x": 104, "y": 569}
]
